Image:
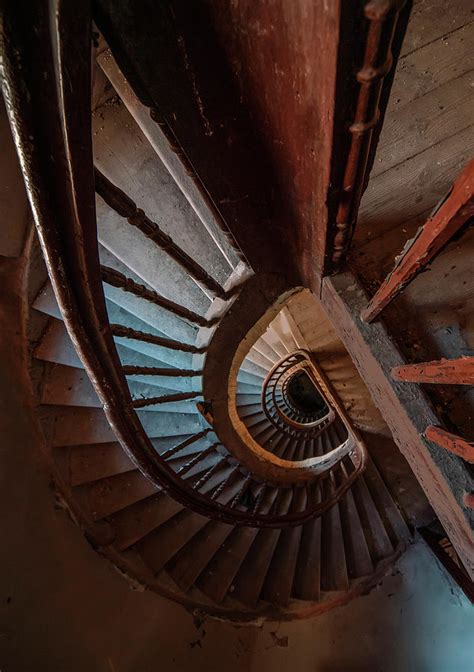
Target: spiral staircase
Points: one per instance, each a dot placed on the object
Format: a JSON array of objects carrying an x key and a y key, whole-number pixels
[{"x": 204, "y": 425}]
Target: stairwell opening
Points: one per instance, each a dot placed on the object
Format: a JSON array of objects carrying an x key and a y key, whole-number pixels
[{"x": 303, "y": 394}]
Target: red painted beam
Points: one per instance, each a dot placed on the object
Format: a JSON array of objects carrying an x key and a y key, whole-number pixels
[
  {"x": 469, "y": 499},
  {"x": 443, "y": 372},
  {"x": 455, "y": 444},
  {"x": 420, "y": 250}
]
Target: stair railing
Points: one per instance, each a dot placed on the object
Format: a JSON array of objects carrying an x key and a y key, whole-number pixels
[{"x": 46, "y": 75}]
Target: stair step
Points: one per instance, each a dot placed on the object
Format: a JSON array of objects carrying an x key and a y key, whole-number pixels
[
  {"x": 244, "y": 377},
  {"x": 104, "y": 497},
  {"x": 279, "y": 579},
  {"x": 273, "y": 340},
  {"x": 307, "y": 583},
  {"x": 280, "y": 446},
  {"x": 125, "y": 155},
  {"x": 162, "y": 544},
  {"x": 68, "y": 386},
  {"x": 262, "y": 346},
  {"x": 84, "y": 464},
  {"x": 248, "y": 388},
  {"x": 46, "y": 303},
  {"x": 259, "y": 359},
  {"x": 167, "y": 154},
  {"x": 56, "y": 346},
  {"x": 257, "y": 421},
  {"x": 359, "y": 562},
  {"x": 292, "y": 448},
  {"x": 249, "y": 410},
  {"x": 251, "y": 575},
  {"x": 333, "y": 557},
  {"x": 392, "y": 519},
  {"x": 283, "y": 327},
  {"x": 257, "y": 371},
  {"x": 217, "y": 579},
  {"x": 157, "y": 317},
  {"x": 246, "y": 399},
  {"x": 141, "y": 255},
  {"x": 268, "y": 437},
  {"x": 378, "y": 541},
  {"x": 136, "y": 522},
  {"x": 66, "y": 425}
]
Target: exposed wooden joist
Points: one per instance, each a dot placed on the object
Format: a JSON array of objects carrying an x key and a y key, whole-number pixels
[
  {"x": 455, "y": 444},
  {"x": 444, "y": 478},
  {"x": 432, "y": 237},
  {"x": 442, "y": 372}
]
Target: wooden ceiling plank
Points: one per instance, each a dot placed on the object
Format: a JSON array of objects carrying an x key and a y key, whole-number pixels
[
  {"x": 425, "y": 24},
  {"x": 427, "y": 121},
  {"x": 407, "y": 190}
]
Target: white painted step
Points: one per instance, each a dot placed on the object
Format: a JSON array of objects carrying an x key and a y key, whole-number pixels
[
  {"x": 259, "y": 359},
  {"x": 124, "y": 155},
  {"x": 250, "y": 367},
  {"x": 56, "y": 346},
  {"x": 246, "y": 378},
  {"x": 67, "y": 386},
  {"x": 282, "y": 330},
  {"x": 170, "y": 158},
  {"x": 266, "y": 350},
  {"x": 274, "y": 342},
  {"x": 147, "y": 261},
  {"x": 46, "y": 303},
  {"x": 70, "y": 426},
  {"x": 158, "y": 318},
  {"x": 245, "y": 388}
]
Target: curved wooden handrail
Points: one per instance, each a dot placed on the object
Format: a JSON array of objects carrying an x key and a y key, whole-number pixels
[{"x": 46, "y": 86}]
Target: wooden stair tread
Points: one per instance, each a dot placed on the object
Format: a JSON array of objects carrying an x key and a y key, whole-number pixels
[
  {"x": 333, "y": 558},
  {"x": 307, "y": 583},
  {"x": 280, "y": 576},
  {"x": 218, "y": 576},
  {"x": 251, "y": 575}
]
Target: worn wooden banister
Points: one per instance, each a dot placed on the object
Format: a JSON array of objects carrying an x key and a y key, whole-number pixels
[
  {"x": 438, "y": 230},
  {"x": 455, "y": 444},
  {"x": 440, "y": 372}
]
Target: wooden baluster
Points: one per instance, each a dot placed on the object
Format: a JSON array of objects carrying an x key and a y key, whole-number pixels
[
  {"x": 130, "y": 370},
  {"x": 164, "y": 399},
  {"x": 443, "y": 372},
  {"x": 420, "y": 250},
  {"x": 126, "y": 332}
]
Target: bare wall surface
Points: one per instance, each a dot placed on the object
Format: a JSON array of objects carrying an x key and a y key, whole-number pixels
[{"x": 65, "y": 609}]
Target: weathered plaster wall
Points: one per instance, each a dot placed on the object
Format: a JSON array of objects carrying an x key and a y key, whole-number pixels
[{"x": 65, "y": 609}]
